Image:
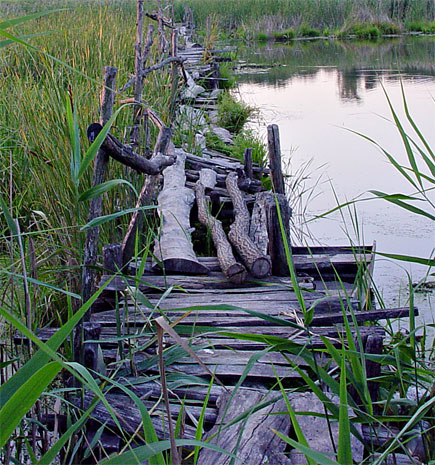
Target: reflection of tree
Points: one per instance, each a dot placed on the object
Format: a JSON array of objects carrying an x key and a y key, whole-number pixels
[
  {"x": 358, "y": 64},
  {"x": 348, "y": 85}
]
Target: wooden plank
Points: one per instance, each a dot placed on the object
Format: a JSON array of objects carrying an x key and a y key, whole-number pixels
[
  {"x": 215, "y": 280},
  {"x": 255, "y": 440},
  {"x": 130, "y": 418}
]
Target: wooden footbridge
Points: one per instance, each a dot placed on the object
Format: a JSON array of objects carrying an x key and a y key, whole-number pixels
[{"x": 206, "y": 331}]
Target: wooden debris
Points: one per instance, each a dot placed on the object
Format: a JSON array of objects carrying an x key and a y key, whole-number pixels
[
  {"x": 266, "y": 223},
  {"x": 125, "y": 155},
  {"x": 174, "y": 249},
  {"x": 258, "y": 264},
  {"x": 234, "y": 271}
]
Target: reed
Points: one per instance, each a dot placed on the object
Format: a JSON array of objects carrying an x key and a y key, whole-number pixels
[{"x": 268, "y": 16}]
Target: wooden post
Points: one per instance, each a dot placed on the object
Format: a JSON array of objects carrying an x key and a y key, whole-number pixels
[
  {"x": 95, "y": 207},
  {"x": 248, "y": 168},
  {"x": 275, "y": 159},
  {"x": 147, "y": 196},
  {"x": 138, "y": 63}
]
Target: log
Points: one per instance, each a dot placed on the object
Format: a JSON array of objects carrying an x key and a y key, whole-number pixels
[
  {"x": 274, "y": 147},
  {"x": 265, "y": 217},
  {"x": 125, "y": 155},
  {"x": 95, "y": 207},
  {"x": 254, "y": 440},
  {"x": 173, "y": 248},
  {"x": 147, "y": 195},
  {"x": 258, "y": 263},
  {"x": 234, "y": 271}
]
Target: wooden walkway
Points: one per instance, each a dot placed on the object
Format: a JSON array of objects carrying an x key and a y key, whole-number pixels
[{"x": 217, "y": 328}]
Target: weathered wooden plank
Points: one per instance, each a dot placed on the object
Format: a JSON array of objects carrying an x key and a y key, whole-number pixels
[
  {"x": 215, "y": 281},
  {"x": 254, "y": 439},
  {"x": 130, "y": 418}
]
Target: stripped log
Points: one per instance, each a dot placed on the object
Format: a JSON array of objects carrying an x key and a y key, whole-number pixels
[
  {"x": 234, "y": 271},
  {"x": 173, "y": 248},
  {"x": 265, "y": 229},
  {"x": 95, "y": 207},
  {"x": 125, "y": 155},
  {"x": 257, "y": 262},
  {"x": 147, "y": 196}
]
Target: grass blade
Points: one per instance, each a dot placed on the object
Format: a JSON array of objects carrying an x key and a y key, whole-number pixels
[
  {"x": 24, "y": 397},
  {"x": 103, "y": 188}
]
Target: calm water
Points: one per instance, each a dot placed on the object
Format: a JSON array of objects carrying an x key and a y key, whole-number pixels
[{"x": 316, "y": 92}]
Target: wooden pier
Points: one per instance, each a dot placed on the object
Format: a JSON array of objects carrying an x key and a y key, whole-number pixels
[{"x": 210, "y": 328}]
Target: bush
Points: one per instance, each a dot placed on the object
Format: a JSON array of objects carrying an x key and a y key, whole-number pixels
[
  {"x": 232, "y": 114},
  {"x": 284, "y": 36},
  {"x": 247, "y": 139},
  {"x": 307, "y": 31}
]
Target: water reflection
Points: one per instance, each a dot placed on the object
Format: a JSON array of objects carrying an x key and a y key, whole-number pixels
[{"x": 359, "y": 64}]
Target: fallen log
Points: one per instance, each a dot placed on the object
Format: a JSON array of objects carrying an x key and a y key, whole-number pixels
[
  {"x": 173, "y": 248},
  {"x": 265, "y": 229},
  {"x": 125, "y": 155},
  {"x": 234, "y": 271},
  {"x": 256, "y": 261}
]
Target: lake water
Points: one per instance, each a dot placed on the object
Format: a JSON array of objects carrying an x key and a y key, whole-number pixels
[{"x": 318, "y": 93}]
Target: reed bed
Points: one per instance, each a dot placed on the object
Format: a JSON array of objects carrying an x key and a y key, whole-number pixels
[{"x": 249, "y": 18}]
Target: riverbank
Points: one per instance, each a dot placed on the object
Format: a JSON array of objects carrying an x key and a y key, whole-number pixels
[{"x": 283, "y": 20}]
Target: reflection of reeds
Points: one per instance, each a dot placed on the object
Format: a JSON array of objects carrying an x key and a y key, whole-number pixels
[{"x": 415, "y": 55}]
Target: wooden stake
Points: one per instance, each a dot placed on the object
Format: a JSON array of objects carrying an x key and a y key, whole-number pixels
[
  {"x": 275, "y": 159},
  {"x": 95, "y": 207}
]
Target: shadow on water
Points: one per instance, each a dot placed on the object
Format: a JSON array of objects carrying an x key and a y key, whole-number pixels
[{"x": 358, "y": 64}]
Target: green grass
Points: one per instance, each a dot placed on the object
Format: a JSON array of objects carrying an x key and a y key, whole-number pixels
[
  {"x": 232, "y": 113},
  {"x": 265, "y": 17}
]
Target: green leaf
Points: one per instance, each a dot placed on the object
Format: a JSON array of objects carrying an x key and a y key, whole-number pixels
[
  {"x": 95, "y": 146},
  {"x": 41, "y": 283},
  {"x": 23, "y": 399},
  {"x": 9, "y": 220},
  {"x": 144, "y": 453},
  {"x": 104, "y": 219},
  {"x": 74, "y": 134},
  {"x": 344, "y": 444},
  {"x": 103, "y": 188},
  {"x": 395, "y": 200},
  {"x": 41, "y": 358},
  {"x": 23, "y": 19},
  {"x": 408, "y": 258}
]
